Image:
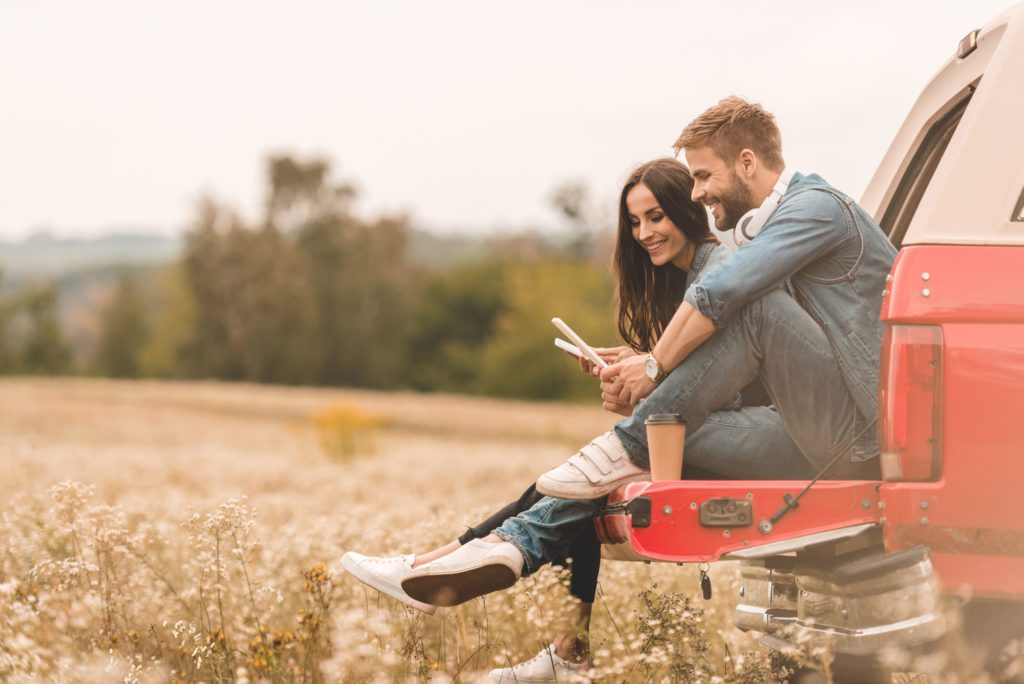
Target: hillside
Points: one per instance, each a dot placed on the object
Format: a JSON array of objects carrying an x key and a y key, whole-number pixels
[{"x": 44, "y": 257}]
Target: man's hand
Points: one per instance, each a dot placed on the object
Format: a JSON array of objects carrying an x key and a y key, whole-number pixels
[{"x": 627, "y": 381}]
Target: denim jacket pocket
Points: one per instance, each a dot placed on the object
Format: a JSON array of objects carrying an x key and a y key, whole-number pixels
[
  {"x": 866, "y": 446},
  {"x": 858, "y": 346},
  {"x": 865, "y": 443}
]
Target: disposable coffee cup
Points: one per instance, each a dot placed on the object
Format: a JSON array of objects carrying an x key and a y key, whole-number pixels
[{"x": 666, "y": 433}]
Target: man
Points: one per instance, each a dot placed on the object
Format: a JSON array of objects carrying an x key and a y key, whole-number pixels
[{"x": 797, "y": 306}]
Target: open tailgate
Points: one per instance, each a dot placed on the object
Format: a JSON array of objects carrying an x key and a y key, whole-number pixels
[{"x": 694, "y": 521}]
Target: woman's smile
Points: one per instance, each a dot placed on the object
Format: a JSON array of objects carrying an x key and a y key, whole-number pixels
[
  {"x": 654, "y": 231},
  {"x": 654, "y": 247}
]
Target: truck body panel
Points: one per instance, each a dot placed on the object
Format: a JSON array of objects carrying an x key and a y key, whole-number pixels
[{"x": 970, "y": 517}]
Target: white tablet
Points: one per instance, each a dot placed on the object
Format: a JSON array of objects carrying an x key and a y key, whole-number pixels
[
  {"x": 584, "y": 348},
  {"x": 569, "y": 347}
]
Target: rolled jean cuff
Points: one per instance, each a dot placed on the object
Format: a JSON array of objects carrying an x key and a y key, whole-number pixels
[
  {"x": 636, "y": 447},
  {"x": 528, "y": 567}
]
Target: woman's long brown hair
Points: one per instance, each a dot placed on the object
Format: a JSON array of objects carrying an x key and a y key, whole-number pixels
[{"x": 649, "y": 295}]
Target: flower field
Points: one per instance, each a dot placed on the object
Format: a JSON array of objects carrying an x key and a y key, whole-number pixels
[{"x": 190, "y": 532}]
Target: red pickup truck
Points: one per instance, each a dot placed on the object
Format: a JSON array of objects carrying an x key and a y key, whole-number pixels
[{"x": 864, "y": 563}]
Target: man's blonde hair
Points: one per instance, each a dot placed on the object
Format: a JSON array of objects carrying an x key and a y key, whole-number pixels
[{"x": 733, "y": 125}]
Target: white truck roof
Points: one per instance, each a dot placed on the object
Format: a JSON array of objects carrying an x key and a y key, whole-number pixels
[{"x": 963, "y": 188}]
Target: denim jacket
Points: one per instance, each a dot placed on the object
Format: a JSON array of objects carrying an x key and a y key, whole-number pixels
[
  {"x": 706, "y": 257},
  {"x": 835, "y": 259}
]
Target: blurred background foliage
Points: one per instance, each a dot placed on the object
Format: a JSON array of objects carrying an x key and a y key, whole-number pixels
[{"x": 312, "y": 293}]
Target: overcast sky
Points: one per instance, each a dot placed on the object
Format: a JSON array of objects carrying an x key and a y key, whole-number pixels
[{"x": 118, "y": 115}]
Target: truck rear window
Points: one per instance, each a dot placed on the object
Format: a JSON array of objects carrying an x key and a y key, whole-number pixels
[{"x": 915, "y": 180}]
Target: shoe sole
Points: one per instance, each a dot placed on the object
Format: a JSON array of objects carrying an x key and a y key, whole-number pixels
[
  {"x": 515, "y": 679},
  {"x": 452, "y": 588},
  {"x": 560, "y": 678},
  {"x": 556, "y": 490},
  {"x": 373, "y": 581}
]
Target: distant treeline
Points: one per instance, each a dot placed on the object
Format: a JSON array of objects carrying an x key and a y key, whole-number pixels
[{"x": 311, "y": 293}]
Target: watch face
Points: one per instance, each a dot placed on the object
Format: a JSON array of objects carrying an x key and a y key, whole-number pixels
[{"x": 651, "y": 368}]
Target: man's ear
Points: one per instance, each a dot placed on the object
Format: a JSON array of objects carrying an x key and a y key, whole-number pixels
[{"x": 746, "y": 163}]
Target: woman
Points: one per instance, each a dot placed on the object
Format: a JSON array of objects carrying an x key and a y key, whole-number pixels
[{"x": 660, "y": 231}]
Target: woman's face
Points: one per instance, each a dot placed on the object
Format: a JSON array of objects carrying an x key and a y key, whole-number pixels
[{"x": 654, "y": 231}]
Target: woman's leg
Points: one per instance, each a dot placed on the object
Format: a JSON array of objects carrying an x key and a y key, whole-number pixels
[
  {"x": 433, "y": 554},
  {"x": 585, "y": 552},
  {"x": 385, "y": 573},
  {"x": 525, "y": 502},
  {"x": 510, "y": 510}
]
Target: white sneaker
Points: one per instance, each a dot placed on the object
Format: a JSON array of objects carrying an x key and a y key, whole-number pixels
[
  {"x": 596, "y": 470},
  {"x": 474, "y": 569},
  {"x": 385, "y": 575},
  {"x": 544, "y": 667}
]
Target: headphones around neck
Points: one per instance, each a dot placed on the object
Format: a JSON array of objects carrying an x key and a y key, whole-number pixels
[{"x": 751, "y": 223}]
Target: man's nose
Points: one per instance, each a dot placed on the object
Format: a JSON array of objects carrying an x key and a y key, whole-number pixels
[{"x": 698, "y": 192}]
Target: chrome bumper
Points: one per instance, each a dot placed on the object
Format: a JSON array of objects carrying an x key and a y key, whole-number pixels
[{"x": 860, "y": 606}]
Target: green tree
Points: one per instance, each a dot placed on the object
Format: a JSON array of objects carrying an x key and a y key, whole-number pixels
[
  {"x": 8, "y": 352},
  {"x": 357, "y": 271},
  {"x": 520, "y": 359},
  {"x": 363, "y": 287},
  {"x": 172, "y": 326},
  {"x": 571, "y": 200},
  {"x": 456, "y": 316},
  {"x": 253, "y": 314},
  {"x": 43, "y": 349},
  {"x": 301, "y": 193},
  {"x": 123, "y": 332}
]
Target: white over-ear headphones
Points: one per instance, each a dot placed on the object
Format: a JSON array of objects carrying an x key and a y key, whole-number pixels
[{"x": 751, "y": 223}]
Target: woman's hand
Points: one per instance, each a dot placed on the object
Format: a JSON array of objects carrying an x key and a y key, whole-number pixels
[
  {"x": 610, "y": 355},
  {"x": 626, "y": 381},
  {"x": 610, "y": 400}
]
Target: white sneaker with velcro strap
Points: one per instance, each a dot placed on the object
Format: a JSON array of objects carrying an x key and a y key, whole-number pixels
[
  {"x": 596, "y": 470},
  {"x": 544, "y": 668}
]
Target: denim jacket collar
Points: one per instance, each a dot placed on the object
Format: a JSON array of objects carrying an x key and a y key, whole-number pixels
[
  {"x": 700, "y": 257},
  {"x": 802, "y": 181}
]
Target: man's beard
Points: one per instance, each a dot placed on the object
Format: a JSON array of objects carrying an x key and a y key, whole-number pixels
[{"x": 736, "y": 202}]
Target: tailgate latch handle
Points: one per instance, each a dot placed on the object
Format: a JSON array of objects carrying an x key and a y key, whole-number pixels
[{"x": 791, "y": 505}]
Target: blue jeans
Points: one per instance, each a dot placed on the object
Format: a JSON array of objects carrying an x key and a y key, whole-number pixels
[{"x": 814, "y": 417}]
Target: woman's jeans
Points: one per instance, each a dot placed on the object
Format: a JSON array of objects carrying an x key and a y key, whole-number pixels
[
  {"x": 814, "y": 418},
  {"x": 584, "y": 549}
]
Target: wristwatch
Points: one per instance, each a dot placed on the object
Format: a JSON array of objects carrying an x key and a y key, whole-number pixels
[{"x": 652, "y": 369}]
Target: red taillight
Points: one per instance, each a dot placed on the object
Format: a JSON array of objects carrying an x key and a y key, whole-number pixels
[{"x": 910, "y": 400}]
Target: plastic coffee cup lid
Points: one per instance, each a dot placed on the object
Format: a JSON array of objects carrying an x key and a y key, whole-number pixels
[{"x": 664, "y": 419}]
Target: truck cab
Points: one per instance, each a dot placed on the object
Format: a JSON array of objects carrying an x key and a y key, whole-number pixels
[{"x": 864, "y": 563}]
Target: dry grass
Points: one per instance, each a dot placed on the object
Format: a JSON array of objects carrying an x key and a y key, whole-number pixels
[{"x": 188, "y": 531}]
